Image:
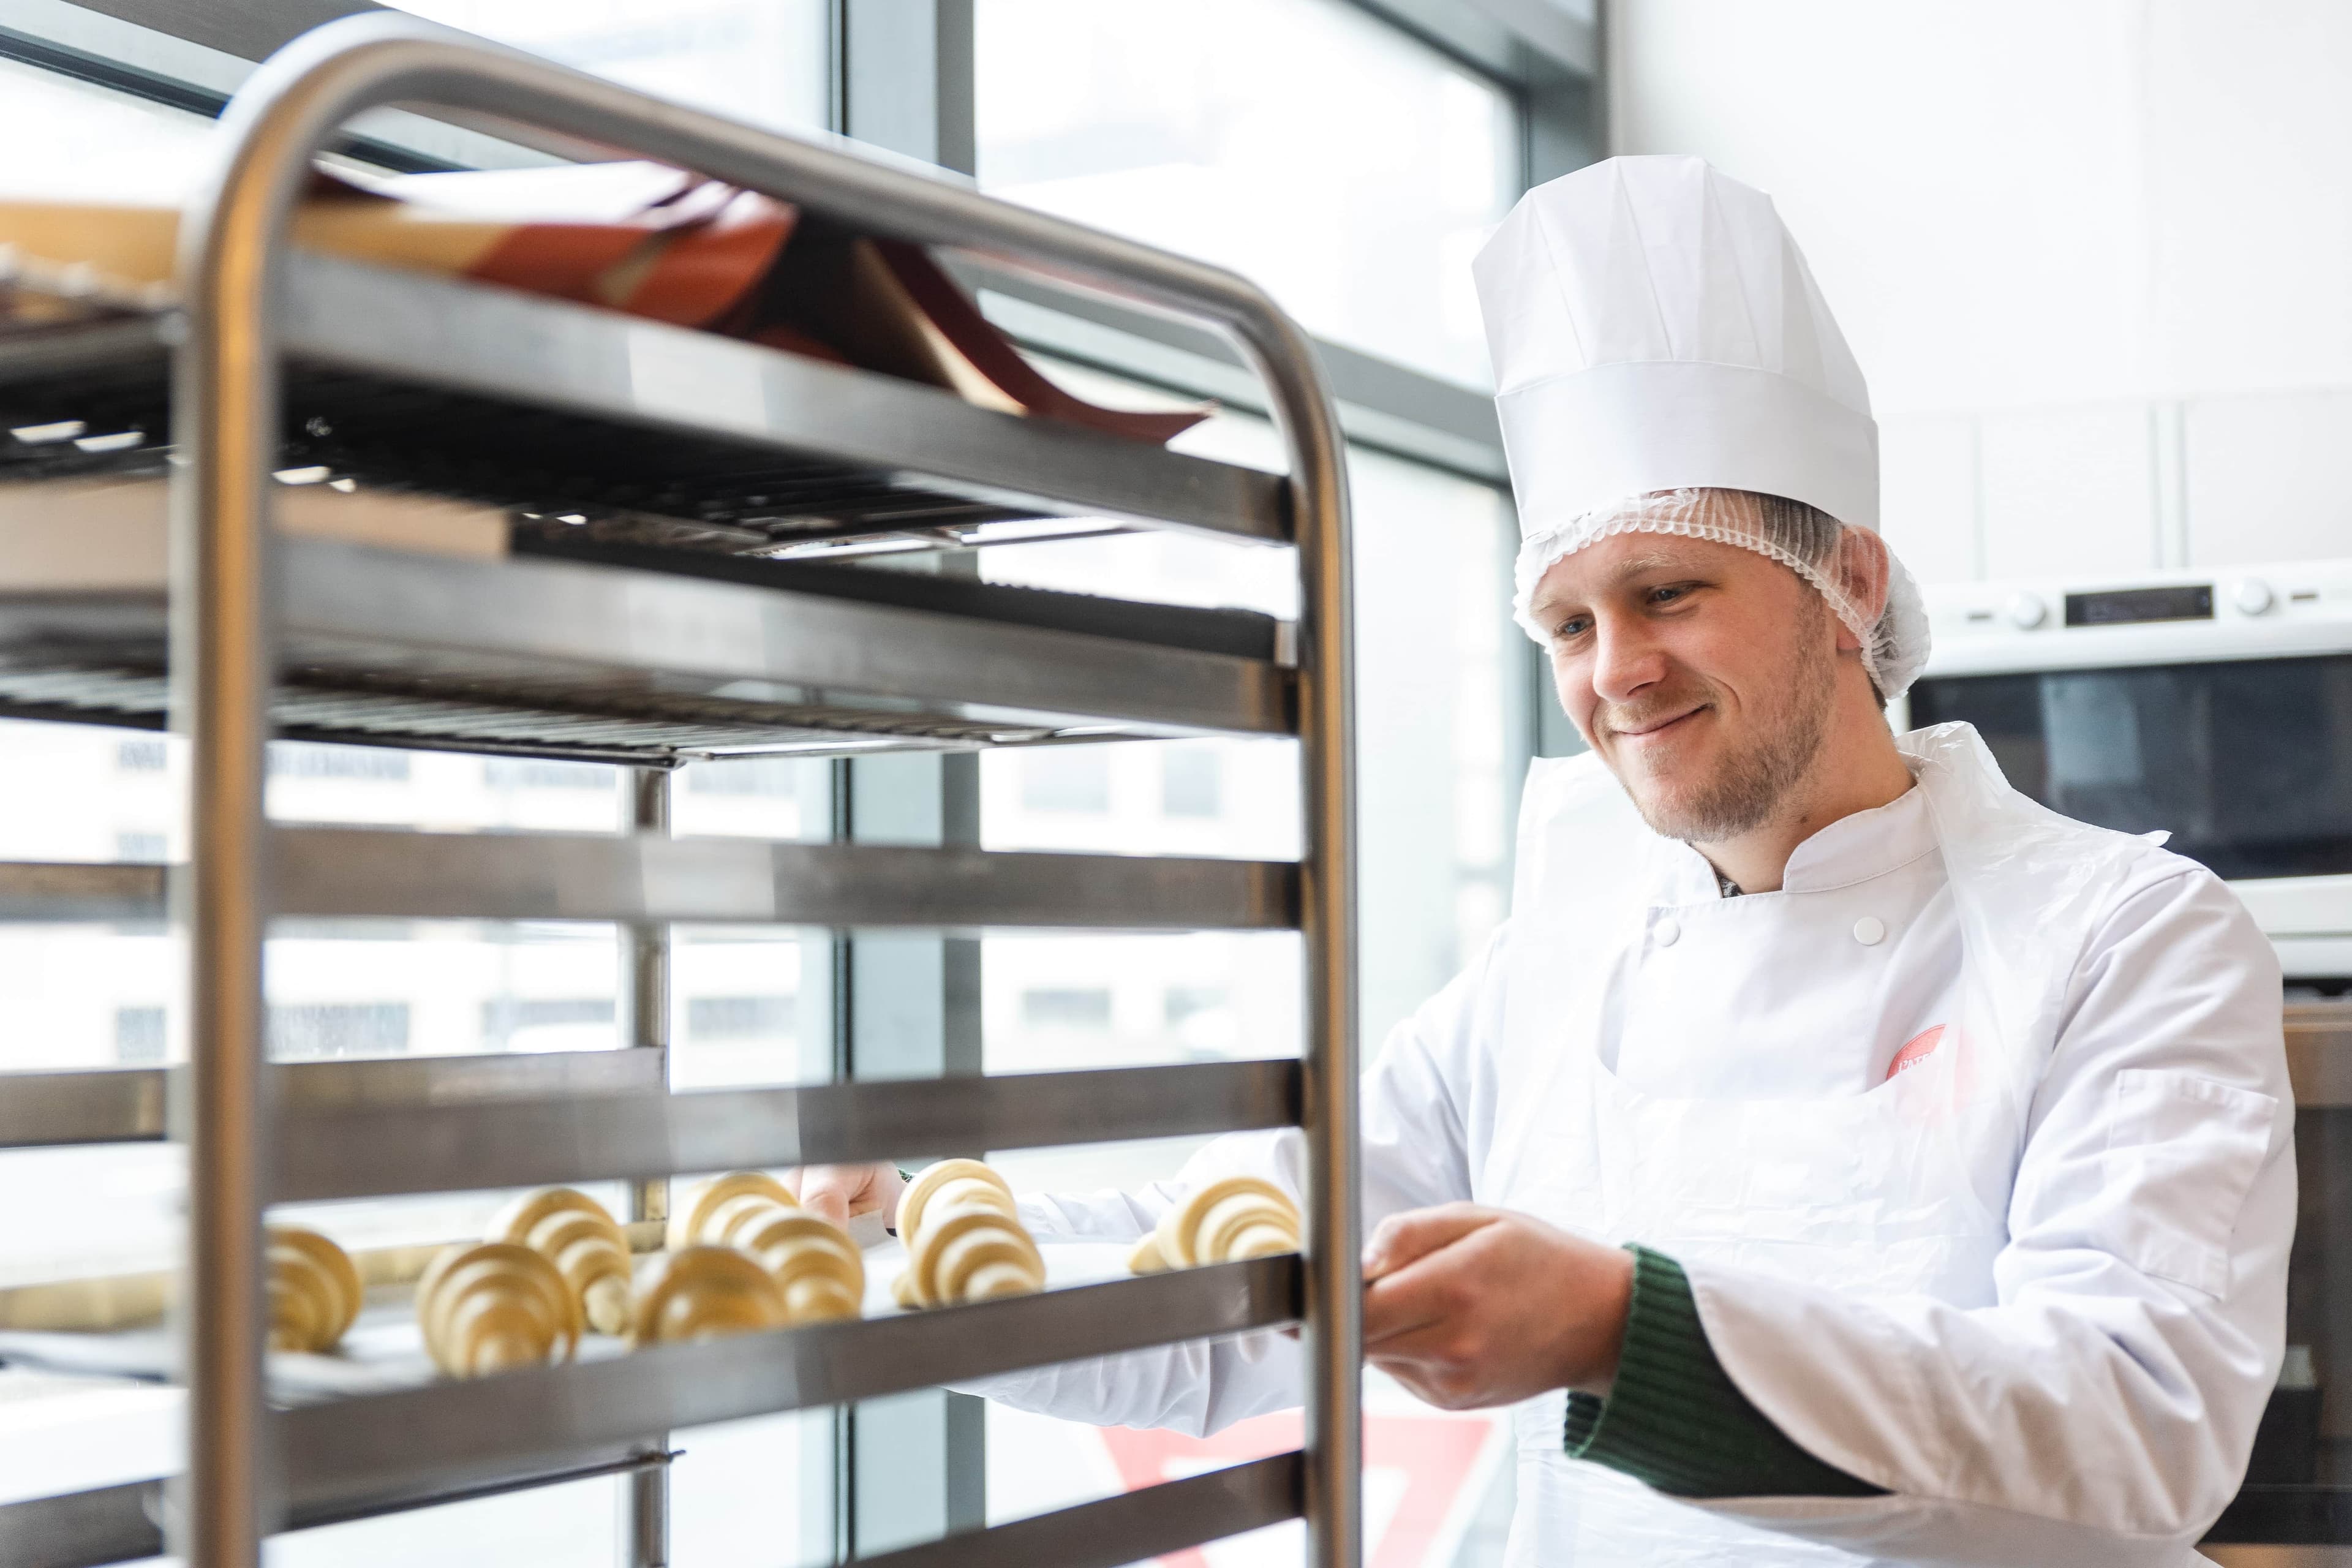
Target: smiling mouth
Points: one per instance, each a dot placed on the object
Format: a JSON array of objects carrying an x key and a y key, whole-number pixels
[{"x": 1644, "y": 732}]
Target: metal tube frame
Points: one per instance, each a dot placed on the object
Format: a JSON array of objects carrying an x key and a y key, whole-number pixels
[
  {"x": 226, "y": 411},
  {"x": 646, "y": 954}
]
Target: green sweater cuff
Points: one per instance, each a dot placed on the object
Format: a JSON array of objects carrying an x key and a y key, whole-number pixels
[{"x": 1675, "y": 1421}]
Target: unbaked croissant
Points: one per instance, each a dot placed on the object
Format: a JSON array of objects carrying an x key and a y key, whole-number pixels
[
  {"x": 1223, "y": 1222},
  {"x": 964, "y": 1239},
  {"x": 703, "y": 1218},
  {"x": 952, "y": 1184},
  {"x": 495, "y": 1305},
  {"x": 821, "y": 1269},
  {"x": 702, "y": 1293},
  {"x": 585, "y": 1243},
  {"x": 314, "y": 1290}
]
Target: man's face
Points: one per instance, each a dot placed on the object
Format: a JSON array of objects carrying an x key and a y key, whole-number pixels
[{"x": 1704, "y": 675}]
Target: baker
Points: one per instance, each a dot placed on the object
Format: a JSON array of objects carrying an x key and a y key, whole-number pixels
[{"x": 1837, "y": 1157}]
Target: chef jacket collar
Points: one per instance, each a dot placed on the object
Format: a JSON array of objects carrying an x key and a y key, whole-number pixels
[{"x": 1852, "y": 849}]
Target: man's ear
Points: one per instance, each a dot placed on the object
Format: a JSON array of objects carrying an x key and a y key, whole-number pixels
[{"x": 1862, "y": 569}]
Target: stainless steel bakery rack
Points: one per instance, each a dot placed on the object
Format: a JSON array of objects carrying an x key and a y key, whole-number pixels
[{"x": 644, "y": 645}]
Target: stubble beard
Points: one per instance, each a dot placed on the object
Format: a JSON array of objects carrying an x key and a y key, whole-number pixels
[{"x": 1752, "y": 786}]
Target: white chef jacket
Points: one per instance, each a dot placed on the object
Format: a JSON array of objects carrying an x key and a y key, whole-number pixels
[
  {"x": 2092, "y": 1397},
  {"x": 1722, "y": 992}
]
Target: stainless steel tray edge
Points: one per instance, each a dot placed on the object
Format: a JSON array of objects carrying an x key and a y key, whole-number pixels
[
  {"x": 553, "y": 353},
  {"x": 442, "y": 1435},
  {"x": 380, "y": 1150},
  {"x": 127, "y": 1105}
]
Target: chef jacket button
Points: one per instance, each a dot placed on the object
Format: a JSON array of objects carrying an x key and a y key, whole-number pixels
[
  {"x": 1870, "y": 931},
  {"x": 1667, "y": 932}
]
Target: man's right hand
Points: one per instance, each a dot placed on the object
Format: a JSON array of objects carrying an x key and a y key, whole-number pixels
[{"x": 843, "y": 1192}]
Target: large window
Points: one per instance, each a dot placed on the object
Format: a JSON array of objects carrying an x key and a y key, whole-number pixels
[
  {"x": 90, "y": 140},
  {"x": 1344, "y": 163},
  {"x": 766, "y": 61},
  {"x": 1350, "y": 170}
]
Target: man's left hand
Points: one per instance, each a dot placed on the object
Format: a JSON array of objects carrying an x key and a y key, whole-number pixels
[{"x": 1471, "y": 1306}]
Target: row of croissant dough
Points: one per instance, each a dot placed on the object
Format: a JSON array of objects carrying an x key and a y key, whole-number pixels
[{"x": 743, "y": 1256}]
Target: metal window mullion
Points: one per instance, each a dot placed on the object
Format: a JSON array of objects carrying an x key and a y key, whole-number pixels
[
  {"x": 914, "y": 1465},
  {"x": 905, "y": 75},
  {"x": 647, "y": 969}
]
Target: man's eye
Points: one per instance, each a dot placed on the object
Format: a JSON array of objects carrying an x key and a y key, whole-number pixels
[
  {"x": 1668, "y": 595},
  {"x": 1574, "y": 627}
]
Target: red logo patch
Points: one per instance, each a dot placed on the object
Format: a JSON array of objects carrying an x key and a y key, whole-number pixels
[{"x": 1915, "y": 1050}]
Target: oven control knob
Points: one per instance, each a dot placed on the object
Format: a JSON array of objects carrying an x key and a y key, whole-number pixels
[
  {"x": 2026, "y": 611},
  {"x": 2252, "y": 596}
]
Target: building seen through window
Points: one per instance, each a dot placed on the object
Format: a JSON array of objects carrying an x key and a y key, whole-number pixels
[
  {"x": 1190, "y": 781},
  {"x": 1066, "y": 778},
  {"x": 1065, "y": 1007},
  {"x": 85, "y": 996}
]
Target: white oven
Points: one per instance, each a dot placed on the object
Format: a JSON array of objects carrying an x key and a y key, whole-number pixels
[{"x": 2216, "y": 706}]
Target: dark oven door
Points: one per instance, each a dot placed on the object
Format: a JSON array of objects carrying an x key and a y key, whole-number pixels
[
  {"x": 2298, "y": 1490},
  {"x": 2247, "y": 763}
]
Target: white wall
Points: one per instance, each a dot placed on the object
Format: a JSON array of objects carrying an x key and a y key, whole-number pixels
[{"x": 2091, "y": 253}]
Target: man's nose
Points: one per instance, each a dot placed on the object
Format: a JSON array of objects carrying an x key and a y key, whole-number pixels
[{"x": 1626, "y": 658}]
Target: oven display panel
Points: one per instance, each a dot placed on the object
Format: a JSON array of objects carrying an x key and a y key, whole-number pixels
[
  {"x": 2126, "y": 607},
  {"x": 2248, "y": 763}
]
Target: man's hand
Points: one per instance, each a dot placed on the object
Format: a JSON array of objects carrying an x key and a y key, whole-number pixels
[
  {"x": 841, "y": 1192},
  {"x": 1471, "y": 1306}
]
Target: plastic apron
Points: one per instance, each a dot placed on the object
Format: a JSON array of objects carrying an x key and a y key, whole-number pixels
[{"x": 1900, "y": 1189}]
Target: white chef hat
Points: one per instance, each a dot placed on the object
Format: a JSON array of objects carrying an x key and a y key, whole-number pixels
[{"x": 1658, "y": 341}]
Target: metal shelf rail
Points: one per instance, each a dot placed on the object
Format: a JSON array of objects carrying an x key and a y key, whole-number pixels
[
  {"x": 249, "y": 613},
  {"x": 562, "y": 658},
  {"x": 865, "y": 453}
]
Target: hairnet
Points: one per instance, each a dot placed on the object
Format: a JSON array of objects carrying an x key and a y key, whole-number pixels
[{"x": 1804, "y": 539}]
